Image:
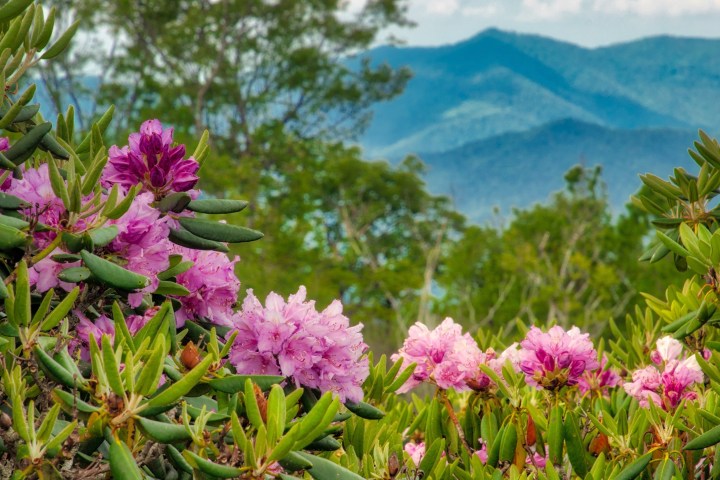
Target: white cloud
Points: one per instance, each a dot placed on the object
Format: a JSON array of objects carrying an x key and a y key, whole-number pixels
[
  {"x": 550, "y": 9},
  {"x": 441, "y": 7},
  {"x": 657, "y": 7},
  {"x": 480, "y": 10}
]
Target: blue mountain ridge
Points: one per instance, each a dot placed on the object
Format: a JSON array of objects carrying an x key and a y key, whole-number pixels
[{"x": 511, "y": 112}]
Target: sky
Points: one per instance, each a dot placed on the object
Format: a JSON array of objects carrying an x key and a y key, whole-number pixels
[{"x": 589, "y": 23}]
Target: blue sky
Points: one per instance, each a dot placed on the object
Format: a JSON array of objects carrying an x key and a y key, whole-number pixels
[{"x": 585, "y": 22}]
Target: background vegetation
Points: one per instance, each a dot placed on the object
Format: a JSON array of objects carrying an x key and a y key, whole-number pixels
[{"x": 273, "y": 82}]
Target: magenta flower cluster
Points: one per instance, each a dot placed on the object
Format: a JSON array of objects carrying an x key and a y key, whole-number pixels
[
  {"x": 670, "y": 380},
  {"x": 151, "y": 160},
  {"x": 556, "y": 358},
  {"x": 444, "y": 356},
  {"x": 314, "y": 349}
]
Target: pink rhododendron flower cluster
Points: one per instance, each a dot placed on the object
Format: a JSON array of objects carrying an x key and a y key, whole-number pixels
[
  {"x": 142, "y": 242},
  {"x": 315, "y": 349},
  {"x": 151, "y": 160},
  {"x": 212, "y": 284},
  {"x": 600, "y": 380},
  {"x": 669, "y": 381},
  {"x": 557, "y": 358},
  {"x": 43, "y": 205},
  {"x": 444, "y": 356}
]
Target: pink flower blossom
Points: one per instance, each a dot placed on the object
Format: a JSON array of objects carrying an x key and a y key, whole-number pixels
[
  {"x": 142, "y": 242},
  {"x": 316, "y": 349},
  {"x": 600, "y": 380},
  {"x": 667, "y": 349},
  {"x": 151, "y": 160},
  {"x": 537, "y": 460},
  {"x": 87, "y": 328},
  {"x": 482, "y": 452},
  {"x": 444, "y": 356},
  {"x": 43, "y": 274},
  {"x": 416, "y": 451},
  {"x": 44, "y": 205},
  {"x": 557, "y": 358},
  {"x": 212, "y": 284},
  {"x": 668, "y": 382}
]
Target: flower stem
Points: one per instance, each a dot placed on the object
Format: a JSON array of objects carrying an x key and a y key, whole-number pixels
[{"x": 455, "y": 421}]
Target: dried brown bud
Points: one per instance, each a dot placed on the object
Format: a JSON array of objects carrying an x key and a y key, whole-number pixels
[
  {"x": 261, "y": 402},
  {"x": 531, "y": 433},
  {"x": 190, "y": 356},
  {"x": 600, "y": 444},
  {"x": 5, "y": 420},
  {"x": 393, "y": 466}
]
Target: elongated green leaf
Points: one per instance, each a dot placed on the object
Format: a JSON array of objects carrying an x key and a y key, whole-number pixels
[
  {"x": 61, "y": 310},
  {"x": 211, "y": 468},
  {"x": 122, "y": 463},
  {"x": 61, "y": 43},
  {"x": 217, "y": 206},
  {"x": 219, "y": 232},
  {"x": 163, "y": 432},
  {"x": 172, "y": 394},
  {"x": 112, "y": 274},
  {"x": 323, "y": 469},
  {"x": 635, "y": 468},
  {"x": 236, "y": 383}
]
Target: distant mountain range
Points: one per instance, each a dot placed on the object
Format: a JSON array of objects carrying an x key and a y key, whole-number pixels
[{"x": 500, "y": 117}]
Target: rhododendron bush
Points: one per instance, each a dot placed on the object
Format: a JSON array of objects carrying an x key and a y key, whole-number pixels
[{"x": 128, "y": 348}]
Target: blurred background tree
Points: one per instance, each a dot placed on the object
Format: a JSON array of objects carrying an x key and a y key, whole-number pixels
[{"x": 284, "y": 88}]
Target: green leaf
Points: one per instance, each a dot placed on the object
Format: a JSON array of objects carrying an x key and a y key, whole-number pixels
[
  {"x": 211, "y": 468},
  {"x": 432, "y": 455},
  {"x": 112, "y": 369},
  {"x": 13, "y": 112},
  {"x": 74, "y": 274},
  {"x": 163, "y": 432},
  {"x": 236, "y": 383},
  {"x": 252, "y": 409},
  {"x": 104, "y": 235},
  {"x": 13, "y": 8},
  {"x": 10, "y": 202},
  {"x": 175, "y": 202},
  {"x": 172, "y": 394},
  {"x": 217, "y": 206},
  {"x": 293, "y": 461},
  {"x": 574, "y": 443},
  {"x": 323, "y": 469},
  {"x": 53, "y": 446},
  {"x": 11, "y": 238},
  {"x": 61, "y": 310},
  {"x": 25, "y": 147},
  {"x": 19, "y": 423},
  {"x": 22, "y": 312},
  {"x": 635, "y": 468},
  {"x": 61, "y": 43},
  {"x": 555, "y": 435},
  {"x": 707, "y": 439},
  {"x": 122, "y": 463},
  {"x": 151, "y": 372},
  {"x": 509, "y": 444},
  {"x": 175, "y": 270},
  {"x": 102, "y": 124},
  {"x": 166, "y": 287},
  {"x": 219, "y": 232},
  {"x": 675, "y": 247},
  {"x": 365, "y": 410},
  {"x": 186, "y": 239},
  {"x": 112, "y": 274},
  {"x": 57, "y": 371}
]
